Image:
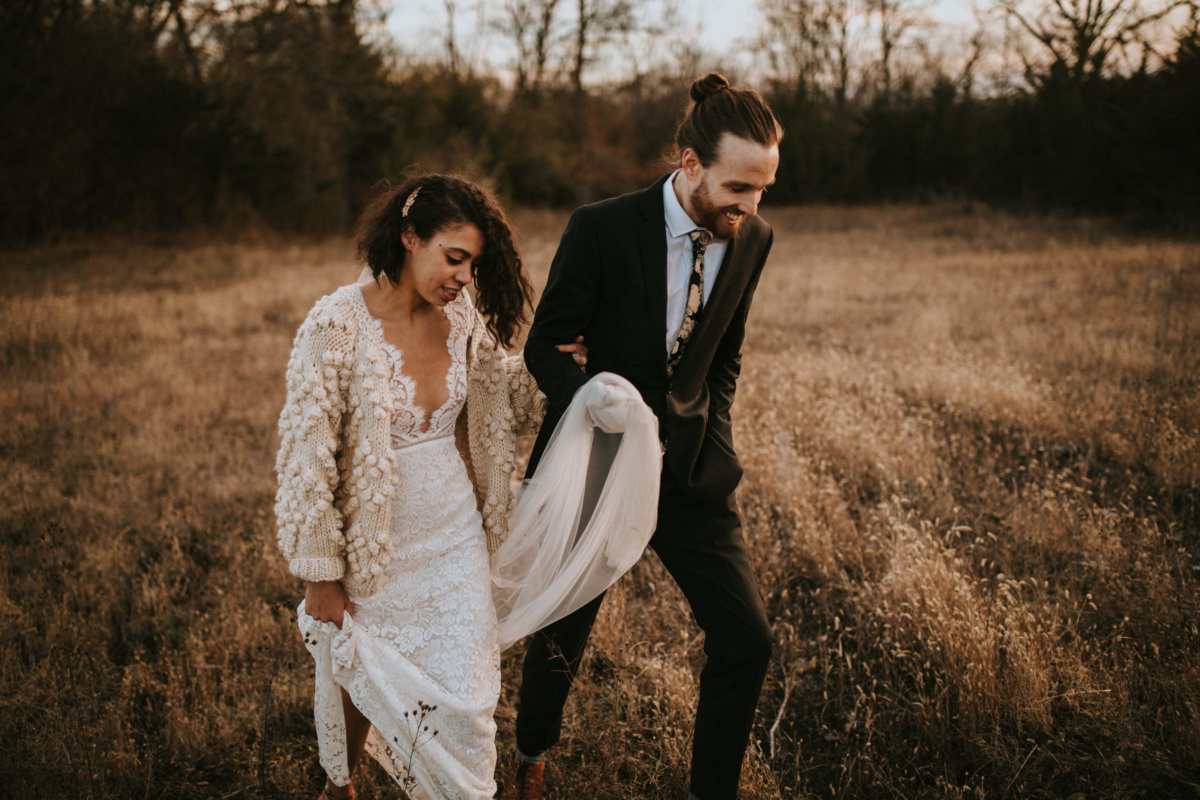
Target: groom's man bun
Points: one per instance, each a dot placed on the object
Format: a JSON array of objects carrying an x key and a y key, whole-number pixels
[
  {"x": 707, "y": 86},
  {"x": 717, "y": 109}
]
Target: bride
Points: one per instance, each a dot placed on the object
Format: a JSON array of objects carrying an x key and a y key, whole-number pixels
[{"x": 398, "y": 439}]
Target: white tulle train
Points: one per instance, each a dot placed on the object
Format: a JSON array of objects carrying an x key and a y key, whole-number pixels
[{"x": 586, "y": 516}]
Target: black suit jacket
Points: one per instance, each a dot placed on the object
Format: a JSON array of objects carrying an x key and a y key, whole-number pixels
[{"x": 608, "y": 282}]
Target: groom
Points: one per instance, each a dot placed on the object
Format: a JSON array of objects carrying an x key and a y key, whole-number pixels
[{"x": 659, "y": 284}]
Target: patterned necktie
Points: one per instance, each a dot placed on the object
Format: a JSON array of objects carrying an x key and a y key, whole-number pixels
[{"x": 700, "y": 240}]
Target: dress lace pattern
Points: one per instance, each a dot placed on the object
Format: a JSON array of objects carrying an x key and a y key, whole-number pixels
[
  {"x": 408, "y": 418},
  {"x": 420, "y": 657}
]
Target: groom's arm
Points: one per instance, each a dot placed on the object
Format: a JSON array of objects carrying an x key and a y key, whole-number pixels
[{"x": 565, "y": 310}]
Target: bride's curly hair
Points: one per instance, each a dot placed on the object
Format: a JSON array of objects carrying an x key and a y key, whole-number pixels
[{"x": 440, "y": 202}]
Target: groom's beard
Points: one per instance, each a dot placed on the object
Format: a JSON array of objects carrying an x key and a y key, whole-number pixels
[{"x": 712, "y": 218}]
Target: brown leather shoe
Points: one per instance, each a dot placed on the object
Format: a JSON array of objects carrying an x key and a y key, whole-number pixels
[
  {"x": 334, "y": 792},
  {"x": 523, "y": 782}
]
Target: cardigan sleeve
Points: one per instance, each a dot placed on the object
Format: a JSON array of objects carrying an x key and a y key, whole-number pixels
[
  {"x": 309, "y": 524},
  {"x": 527, "y": 401}
]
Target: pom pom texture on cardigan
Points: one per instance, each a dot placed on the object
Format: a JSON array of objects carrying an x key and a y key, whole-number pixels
[{"x": 335, "y": 461}]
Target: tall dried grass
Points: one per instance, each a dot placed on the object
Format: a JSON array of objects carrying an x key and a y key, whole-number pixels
[{"x": 972, "y": 493}]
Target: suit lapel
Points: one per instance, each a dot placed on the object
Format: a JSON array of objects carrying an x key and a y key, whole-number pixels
[
  {"x": 731, "y": 279},
  {"x": 736, "y": 269}
]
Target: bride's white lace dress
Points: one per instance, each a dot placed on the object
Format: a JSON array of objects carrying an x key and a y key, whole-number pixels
[{"x": 420, "y": 657}]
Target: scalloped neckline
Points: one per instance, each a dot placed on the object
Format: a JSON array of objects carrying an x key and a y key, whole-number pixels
[{"x": 426, "y": 422}]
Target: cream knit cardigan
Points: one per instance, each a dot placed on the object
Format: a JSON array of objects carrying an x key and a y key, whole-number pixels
[{"x": 336, "y": 461}]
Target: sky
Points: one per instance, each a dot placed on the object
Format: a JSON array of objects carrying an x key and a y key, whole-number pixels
[
  {"x": 722, "y": 24},
  {"x": 725, "y": 21}
]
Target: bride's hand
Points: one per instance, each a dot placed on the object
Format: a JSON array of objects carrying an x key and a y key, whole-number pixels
[
  {"x": 327, "y": 601},
  {"x": 578, "y": 351}
]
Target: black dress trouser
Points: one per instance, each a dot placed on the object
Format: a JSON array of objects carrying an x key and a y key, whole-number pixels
[{"x": 701, "y": 546}]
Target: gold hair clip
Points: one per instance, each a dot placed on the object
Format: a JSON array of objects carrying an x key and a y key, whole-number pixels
[{"x": 408, "y": 203}]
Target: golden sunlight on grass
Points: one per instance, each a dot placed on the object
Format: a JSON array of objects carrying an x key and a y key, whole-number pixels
[{"x": 972, "y": 449}]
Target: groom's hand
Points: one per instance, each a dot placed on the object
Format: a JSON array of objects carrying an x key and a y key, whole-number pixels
[{"x": 578, "y": 351}]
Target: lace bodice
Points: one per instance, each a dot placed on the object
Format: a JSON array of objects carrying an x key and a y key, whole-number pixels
[{"x": 408, "y": 418}]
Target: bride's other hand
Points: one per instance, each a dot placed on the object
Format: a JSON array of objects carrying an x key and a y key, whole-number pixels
[
  {"x": 327, "y": 601},
  {"x": 578, "y": 351}
]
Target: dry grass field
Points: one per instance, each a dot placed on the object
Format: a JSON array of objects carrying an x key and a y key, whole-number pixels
[{"x": 972, "y": 491}]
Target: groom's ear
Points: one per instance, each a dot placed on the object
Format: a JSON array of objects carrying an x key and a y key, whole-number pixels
[{"x": 689, "y": 163}]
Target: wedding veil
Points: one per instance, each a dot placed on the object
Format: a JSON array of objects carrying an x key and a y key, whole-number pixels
[{"x": 587, "y": 514}]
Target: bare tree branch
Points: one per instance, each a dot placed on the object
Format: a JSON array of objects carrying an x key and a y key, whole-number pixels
[
  {"x": 597, "y": 22},
  {"x": 528, "y": 24},
  {"x": 1081, "y": 35}
]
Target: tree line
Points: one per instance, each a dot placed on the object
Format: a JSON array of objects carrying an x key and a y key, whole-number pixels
[{"x": 145, "y": 115}]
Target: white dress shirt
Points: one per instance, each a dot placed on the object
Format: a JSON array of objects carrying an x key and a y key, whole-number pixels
[{"x": 679, "y": 260}]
